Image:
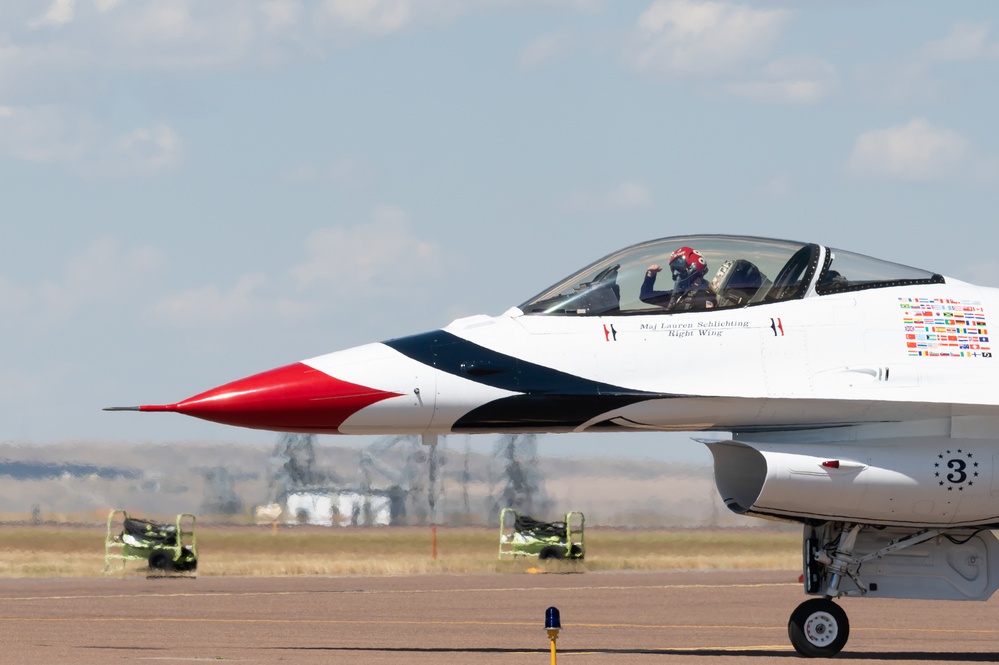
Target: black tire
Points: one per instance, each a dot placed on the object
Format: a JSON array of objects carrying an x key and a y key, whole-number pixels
[
  {"x": 555, "y": 552},
  {"x": 576, "y": 552},
  {"x": 552, "y": 552},
  {"x": 188, "y": 565},
  {"x": 161, "y": 560},
  {"x": 818, "y": 628}
]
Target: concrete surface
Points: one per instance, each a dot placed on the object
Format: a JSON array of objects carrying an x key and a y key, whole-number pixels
[{"x": 617, "y": 618}]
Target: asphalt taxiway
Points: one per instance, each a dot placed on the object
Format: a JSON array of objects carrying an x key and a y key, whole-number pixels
[{"x": 655, "y": 617}]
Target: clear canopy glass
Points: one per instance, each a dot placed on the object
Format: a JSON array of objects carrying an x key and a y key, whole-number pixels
[
  {"x": 742, "y": 271},
  {"x": 848, "y": 271}
]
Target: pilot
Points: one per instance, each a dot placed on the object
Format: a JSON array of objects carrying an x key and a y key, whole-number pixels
[{"x": 690, "y": 290}]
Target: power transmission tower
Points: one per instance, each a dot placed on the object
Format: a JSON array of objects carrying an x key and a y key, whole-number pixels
[{"x": 515, "y": 476}]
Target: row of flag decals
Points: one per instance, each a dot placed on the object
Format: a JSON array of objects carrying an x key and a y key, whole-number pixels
[{"x": 945, "y": 328}]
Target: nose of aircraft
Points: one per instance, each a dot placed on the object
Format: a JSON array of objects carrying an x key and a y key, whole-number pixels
[{"x": 293, "y": 398}]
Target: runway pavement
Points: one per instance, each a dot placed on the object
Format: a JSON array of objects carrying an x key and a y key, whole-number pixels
[{"x": 617, "y": 618}]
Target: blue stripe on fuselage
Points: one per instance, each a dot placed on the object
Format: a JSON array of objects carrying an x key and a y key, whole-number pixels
[{"x": 552, "y": 400}]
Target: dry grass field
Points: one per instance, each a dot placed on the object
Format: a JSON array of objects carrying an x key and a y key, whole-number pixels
[{"x": 78, "y": 551}]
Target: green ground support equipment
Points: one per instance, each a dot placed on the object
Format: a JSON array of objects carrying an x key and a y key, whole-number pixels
[
  {"x": 522, "y": 535},
  {"x": 162, "y": 546}
]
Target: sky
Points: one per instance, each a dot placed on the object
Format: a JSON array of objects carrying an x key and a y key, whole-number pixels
[{"x": 192, "y": 192}]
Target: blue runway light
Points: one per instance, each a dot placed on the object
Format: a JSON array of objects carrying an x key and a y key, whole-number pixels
[
  {"x": 552, "y": 620},
  {"x": 552, "y": 625}
]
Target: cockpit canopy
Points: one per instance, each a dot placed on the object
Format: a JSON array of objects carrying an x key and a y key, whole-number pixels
[{"x": 742, "y": 272}]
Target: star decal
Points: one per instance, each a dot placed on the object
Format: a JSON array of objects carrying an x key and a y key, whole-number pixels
[{"x": 957, "y": 469}]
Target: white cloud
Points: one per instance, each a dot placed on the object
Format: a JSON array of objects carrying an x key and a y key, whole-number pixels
[
  {"x": 103, "y": 272},
  {"x": 966, "y": 42},
  {"x": 186, "y": 36},
  {"x": 45, "y": 57},
  {"x": 626, "y": 196},
  {"x": 63, "y": 51},
  {"x": 281, "y": 13},
  {"x": 147, "y": 150},
  {"x": 380, "y": 256},
  {"x": 688, "y": 38},
  {"x": 373, "y": 259},
  {"x": 346, "y": 20},
  {"x": 917, "y": 151},
  {"x": 800, "y": 80},
  {"x": 914, "y": 76},
  {"x": 543, "y": 49},
  {"x": 179, "y": 35},
  {"x": 379, "y": 17},
  {"x": 212, "y": 306},
  {"x": 587, "y": 6},
  {"x": 59, "y": 13},
  {"x": 51, "y": 135},
  {"x": 725, "y": 40}
]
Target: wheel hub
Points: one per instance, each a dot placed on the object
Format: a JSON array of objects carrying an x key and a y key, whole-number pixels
[{"x": 820, "y": 629}]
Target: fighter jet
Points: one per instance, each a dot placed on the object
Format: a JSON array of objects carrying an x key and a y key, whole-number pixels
[{"x": 855, "y": 396}]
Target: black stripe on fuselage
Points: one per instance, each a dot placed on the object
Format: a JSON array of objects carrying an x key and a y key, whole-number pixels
[{"x": 552, "y": 400}]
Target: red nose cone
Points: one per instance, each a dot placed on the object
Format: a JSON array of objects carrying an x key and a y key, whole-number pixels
[{"x": 294, "y": 398}]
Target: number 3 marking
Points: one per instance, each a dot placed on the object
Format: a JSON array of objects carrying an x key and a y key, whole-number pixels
[{"x": 959, "y": 476}]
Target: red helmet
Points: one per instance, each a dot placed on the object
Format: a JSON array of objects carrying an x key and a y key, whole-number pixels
[{"x": 686, "y": 265}]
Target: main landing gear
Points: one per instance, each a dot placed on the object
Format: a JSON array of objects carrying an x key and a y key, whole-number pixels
[
  {"x": 950, "y": 564},
  {"x": 819, "y": 628}
]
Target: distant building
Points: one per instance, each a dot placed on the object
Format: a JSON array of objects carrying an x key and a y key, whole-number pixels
[
  {"x": 309, "y": 507},
  {"x": 326, "y": 507}
]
